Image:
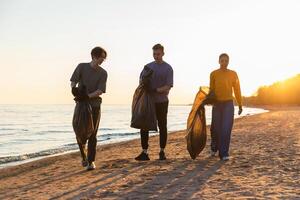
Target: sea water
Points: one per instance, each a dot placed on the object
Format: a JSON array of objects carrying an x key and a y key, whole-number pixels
[{"x": 33, "y": 131}]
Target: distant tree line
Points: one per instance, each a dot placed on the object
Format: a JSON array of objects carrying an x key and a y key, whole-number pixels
[{"x": 285, "y": 92}]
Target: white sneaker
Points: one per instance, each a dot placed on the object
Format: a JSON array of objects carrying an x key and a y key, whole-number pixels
[
  {"x": 225, "y": 158},
  {"x": 212, "y": 153},
  {"x": 91, "y": 166}
]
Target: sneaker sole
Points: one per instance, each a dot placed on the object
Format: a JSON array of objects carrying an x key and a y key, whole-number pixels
[
  {"x": 227, "y": 159},
  {"x": 90, "y": 169},
  {"x": 142, "y": 160},
  {"x": 162, "y": 158}
]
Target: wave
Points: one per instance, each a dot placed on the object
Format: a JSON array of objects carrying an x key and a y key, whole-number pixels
[
  {"x": 48, "y": 152},
  {"x": 13, "y": 129},
  {"x": 54, "y": 131},
  {"x": 120, "y": 134},
  {"x": 107, "y": 129}
]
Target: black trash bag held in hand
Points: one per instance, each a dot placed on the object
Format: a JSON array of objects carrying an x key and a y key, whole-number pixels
[
  {"x": 196, "y": 125},
  {"x": 210, "y": 98},
  {"x": 83, "y": 125},
  {"x": 143, "y": 106}
]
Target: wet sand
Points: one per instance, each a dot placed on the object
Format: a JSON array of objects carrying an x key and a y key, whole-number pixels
[{"x": 265, "y": 164}]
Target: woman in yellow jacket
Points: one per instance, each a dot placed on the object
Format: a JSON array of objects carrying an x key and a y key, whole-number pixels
[{"x": 223, "y": 82}]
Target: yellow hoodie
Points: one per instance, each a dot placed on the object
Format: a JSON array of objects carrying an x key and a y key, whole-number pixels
[{"x": 222, "y": 81}]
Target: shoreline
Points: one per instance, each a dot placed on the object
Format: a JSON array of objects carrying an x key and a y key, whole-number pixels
[
  {"x": 9, "y": 161},
  {"x": 261, "y": 167},
  {"x": 76, "y": 150},
  {"x": 50, "y": 159},
  {"x": 39, "y": 161}
]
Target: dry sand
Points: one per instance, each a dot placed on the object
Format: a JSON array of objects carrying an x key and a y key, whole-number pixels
[{"x": 265, "y": 164}]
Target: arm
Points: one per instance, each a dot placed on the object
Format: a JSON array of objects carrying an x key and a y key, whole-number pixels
[
  {"x": 169, "y": 83},
  {"x": 211, "y": 89},
  {"x": 75, "y": 78},
  {"x": 73, "y": 84},
  {"x": 97, "y": 93},
  {"x": 164, "y": 89},
  {"x": 237, "y": 93},
  {"x": 141, "y": 74},
  {"x": 74, "y": 90},
  {"x": 101, "y": 87},
  {"x": 211, "y": 82}
]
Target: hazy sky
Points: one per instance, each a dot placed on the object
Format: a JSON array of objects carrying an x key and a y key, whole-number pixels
[{"x": 41, "y": 43}]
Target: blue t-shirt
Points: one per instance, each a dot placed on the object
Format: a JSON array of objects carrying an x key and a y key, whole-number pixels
[{"x": 162, "y": 75}]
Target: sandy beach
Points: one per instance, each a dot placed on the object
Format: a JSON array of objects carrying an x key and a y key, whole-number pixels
[{"x": 265, "y": 164}]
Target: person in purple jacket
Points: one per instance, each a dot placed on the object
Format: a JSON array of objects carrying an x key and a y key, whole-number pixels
[{"x": 160, "y": 84}]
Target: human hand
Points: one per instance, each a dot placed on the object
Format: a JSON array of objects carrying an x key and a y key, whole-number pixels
[
  {"x": 80, "y": 94},
  {"x": 75, "y": 91},
  {"x": 81, "y": 97},
  {"x": 240, "y": 110}
]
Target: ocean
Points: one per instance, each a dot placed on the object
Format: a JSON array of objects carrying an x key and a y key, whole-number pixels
[{"x": 29, "y": 132}]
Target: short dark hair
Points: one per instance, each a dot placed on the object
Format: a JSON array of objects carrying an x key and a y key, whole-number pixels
[
  {"x": 223, "y": 55},
  {"x": 158, "y": 46},
  {"x": 97, "y": 52}
]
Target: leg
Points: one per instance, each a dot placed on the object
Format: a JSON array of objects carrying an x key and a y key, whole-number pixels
[
  {"x": 82, "y": 150},
  {"x": 227, "y": 123},
  {"x": 161, "y": 114},
  {"x": 144, "y": 139},
  {"x": 92, "y": 143},
  {"x": 213, "y": 144},
  {"x": 216, "y": 120},
  {"x": 144, "y": 142}
]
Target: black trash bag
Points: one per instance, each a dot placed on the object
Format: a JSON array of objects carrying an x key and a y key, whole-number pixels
[
  {"x": 196, "y": 126},
  {"x": 83, "y": 125},
  {"x": 143, "y": 106}
]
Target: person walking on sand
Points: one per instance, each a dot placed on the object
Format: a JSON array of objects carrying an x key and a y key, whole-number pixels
[
  {"x": 93, "y": 77},
  {"x": 222, "y": 82},
  {"x": 160, "y": 84}
]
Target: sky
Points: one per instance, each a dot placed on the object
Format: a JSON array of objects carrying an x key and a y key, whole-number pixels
[{"x": 43, "y": 41}]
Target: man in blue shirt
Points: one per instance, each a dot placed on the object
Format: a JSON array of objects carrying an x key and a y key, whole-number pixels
[{"x": 160, "y": 84}]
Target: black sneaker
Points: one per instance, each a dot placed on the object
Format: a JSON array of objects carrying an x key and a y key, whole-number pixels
[
  {"x": 142, "y": 157},
  {"x": 162, "y": 155},
  {"x": 84, "y": 163}
]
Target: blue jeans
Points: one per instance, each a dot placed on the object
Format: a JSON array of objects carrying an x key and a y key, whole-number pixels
[{"x": 222, "y": 122}]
